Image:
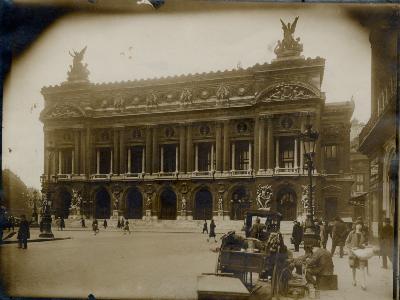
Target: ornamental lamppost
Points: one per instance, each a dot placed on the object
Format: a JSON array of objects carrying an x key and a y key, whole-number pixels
[
  {"x": 45, "y": 226},
  {"x": 309, "y": 138}
]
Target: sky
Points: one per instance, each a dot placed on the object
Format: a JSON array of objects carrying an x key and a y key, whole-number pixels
[{"x": 162, "y": 44}]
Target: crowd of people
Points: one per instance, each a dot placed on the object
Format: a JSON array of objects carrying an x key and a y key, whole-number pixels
[{"x": 319, "y": 260}]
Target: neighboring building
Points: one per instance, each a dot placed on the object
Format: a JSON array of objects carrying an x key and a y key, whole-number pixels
[
  {"x": 196, "y": 146},
  {"x": 359, "y": 166},
  {"x": 378, "y": 137}
]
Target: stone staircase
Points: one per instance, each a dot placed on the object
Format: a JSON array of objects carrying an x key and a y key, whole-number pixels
[{"x": 223, "y": 226}]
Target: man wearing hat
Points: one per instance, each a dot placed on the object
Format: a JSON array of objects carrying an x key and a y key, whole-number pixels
[{"x": 386, "y": 242}]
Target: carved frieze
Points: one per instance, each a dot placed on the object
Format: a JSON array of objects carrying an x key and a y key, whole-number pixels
[
  {"x": 63, "y": 111},
  {"x": 287, "y": 91},
  {"x": 151, "y": 99}
]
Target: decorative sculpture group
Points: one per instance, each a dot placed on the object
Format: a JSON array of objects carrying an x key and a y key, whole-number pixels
[
  {"x": 264, "y": 196},
  {"x": 78, "y": 71},
  {"x": 289, "y": 46}
]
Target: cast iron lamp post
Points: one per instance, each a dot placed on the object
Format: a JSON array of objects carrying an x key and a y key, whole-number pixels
[
  {"x": 309, "y": 138},
  {"x": 45, "y": 227}
]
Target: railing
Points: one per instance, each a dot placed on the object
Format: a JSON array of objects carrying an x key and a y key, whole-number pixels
[
  {"x": 134, "y": 175},
  {"x": 202, "y": 174},
  {"x": 100, "y": 176},
  {"x": 286, "y": 170},
  {"x": 167, "y": 174},
  {"x": 241, "y": 172}
]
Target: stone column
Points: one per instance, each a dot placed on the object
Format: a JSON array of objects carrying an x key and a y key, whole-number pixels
[
  {"x": 46, "y": 157},
  {"x": 277, "y": 152},
  {"x": 182, "y": 152},
  {"x": 261, "y": 143},
  {"x": 143, "y": 160},
  {"x": 129, "y": 160},
  {"x": 114, "y": 170},
  {"x": 212, "y": 157},
  {"x": 59, "y": 165},
  {"x": 111, "y": 161},
  {"x": 233, "y": 156},
  {"x": 75, "y": 168},
  {"x": 226, "y": 147},
  {"x": 89, "y": 151},
  {"x": 302, "y": 128},
  {"x": 316, "y": 126},
  {"x": 122, "y": 152},
  {"x": 270, "y": 143},
  {"x": 82, "y": 154},
  {"x": 196, "y": 159},
  {"x": 250, "y": 160},
  {"x": 97, "y": 161},
  {"x": 189, "y": 149},
  {"x": 176, "y": 158},
  {"x": 162, "y": 159},
  {"x": 218, "y": 146},
  {"x": 73, "y": 162},
  {"x": 148, "y": 150},
  {"x": 256, "y": 144},
  {"x": 155, "y": 158},
  {"x": 296, "y": 166}
]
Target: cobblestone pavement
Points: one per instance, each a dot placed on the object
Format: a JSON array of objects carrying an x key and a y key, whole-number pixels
[{"x": 143, "y": 264}]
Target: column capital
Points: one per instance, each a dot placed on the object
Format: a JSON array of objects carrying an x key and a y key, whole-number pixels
[{"x": 266, "y": 116}]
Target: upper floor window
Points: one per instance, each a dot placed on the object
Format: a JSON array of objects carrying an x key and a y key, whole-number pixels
[
  {"x": 104, "y": 158},
  {"x": 205, "y": 156},
  {"x": 66, "y": 161},
  {"x": 242, "y": 156},
  {"x": 331, "y": 152}
]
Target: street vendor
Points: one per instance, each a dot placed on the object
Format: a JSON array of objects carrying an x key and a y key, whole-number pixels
[
  {"x": 256, "y": 229},
  {"x": 320, "y": 263}
]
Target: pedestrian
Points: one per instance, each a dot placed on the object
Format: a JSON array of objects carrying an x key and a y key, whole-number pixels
[
  {"x": 256, "y": 229},
  {"x": 317, "y": 227},
  {"x": 58, "y": 223},
  {"x": 386, "y": 237},
  {"x": 62, "y": 223},
  {"x": 212, "y": 231},
  {"x": 205, "y": 227},
  {"x": 95, "y": 226},
  {"x": 105, "y": 224},
  {"x": 126, "y": 227},
  {"x": 319, "y": 263},
  {"x": 83, "y": 223},
  {"x": 354, "y": 241},
  {"x": 339, "y": 234},
  {"x": 324, "y": 233},
  {"x": 23, "y": 233},
  {"x": 297, "y": 235}
]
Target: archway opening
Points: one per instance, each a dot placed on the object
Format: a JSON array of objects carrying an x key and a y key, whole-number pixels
[
  {"x": 331, "y": 204},
  {"x": 239, "y": 203},
  {"x": 63, "y": 204},
  {"x": 168, "y": 205},
  {"x": 203, "y": 205},
  {"x": 134, "y": 204},
  {"x": 287, "y": 204},
  {"x": 103, "y": 204}
]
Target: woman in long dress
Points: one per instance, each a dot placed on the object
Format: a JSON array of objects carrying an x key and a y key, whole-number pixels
[{"x": 356, "y": 240}]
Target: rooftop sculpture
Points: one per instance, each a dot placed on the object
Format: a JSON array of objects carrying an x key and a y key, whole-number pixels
[
  {"x": 78, "y": 71},
  {"x": 289, "y": 46}
]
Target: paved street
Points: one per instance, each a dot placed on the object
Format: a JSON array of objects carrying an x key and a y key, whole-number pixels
[{"x": 140, "y": 265}]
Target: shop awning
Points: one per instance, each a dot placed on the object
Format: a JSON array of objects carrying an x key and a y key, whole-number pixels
[{"x": 358, "y": 200}]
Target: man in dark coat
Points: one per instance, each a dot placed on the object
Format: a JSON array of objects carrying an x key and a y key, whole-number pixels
[
  {"x": 256, "y": 229},
  {"x": 386, "y": 242},
  {"x": 324, "y": 234},
  {"x": 105, "y": 224},
  {"x": 62, "y": 223},
  {"x": 339, "y": 232},
  {"x": 23, "y": 233},
  {"x": 320, "y": 263},
  {"x": 83, "y": 222},
  {"x": 297, "y": 235},
  {"x": 212, "y": 231},
  {"x": 205, "y": 227}
]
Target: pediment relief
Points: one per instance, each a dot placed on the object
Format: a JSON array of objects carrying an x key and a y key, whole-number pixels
[
  {"x": 288, "y": 91},
  {"x": 63, "y": 111}
]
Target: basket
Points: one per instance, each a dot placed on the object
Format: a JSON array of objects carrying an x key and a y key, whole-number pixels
[{"x": 364, "y": 254}]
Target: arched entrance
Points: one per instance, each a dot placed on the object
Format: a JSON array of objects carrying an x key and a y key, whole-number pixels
[
  {"x": 239, "y": 203},
  {"x": 331, "y": 204},
  {"x": 63, "y": 203},
  {"x": 168, "y": 205},
  {"x": 103, "y": 204},
  {"x": 287, "y": 204},
  {"x": 203, "y": 205},
  {"x": 134, "y": 204}
]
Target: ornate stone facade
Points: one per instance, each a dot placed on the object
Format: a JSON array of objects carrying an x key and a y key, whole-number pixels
[{"x": 196, "y": 146}]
